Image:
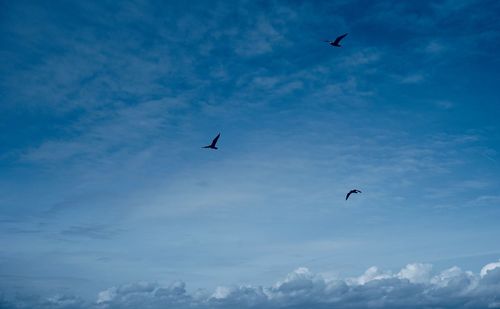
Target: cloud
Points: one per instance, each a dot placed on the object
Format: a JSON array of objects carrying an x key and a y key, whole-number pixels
[
  {"x": 89, "y": 231},
  {"x": 416, "y": 273},
  {"x": 414, "y": 286},
  {"x": 412, "y": 79},
  {"x": 366, "y": 56},
  {"x": 259, "y": 39},
  {"x": 58, "y": 301},
  {"x": 434, "y": 47},
  {"x": 444, "y": 104},
  {"x": 489, "y": 267},
  {"x": 108, "y": 132}
]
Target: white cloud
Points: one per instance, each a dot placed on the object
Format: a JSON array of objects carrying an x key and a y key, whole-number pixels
[
  {"x": 414, "y": 286},
  {"x": 416, "y": 272},
  {"x": 489, "y": 267},
  {"x": 372, "y": 273}
]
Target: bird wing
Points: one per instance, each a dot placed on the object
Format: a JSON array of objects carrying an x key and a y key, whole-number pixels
[
  {"x": 215, "y": 140},
  {"x": 347, "y": 196},
  {"x": 338, "y": 39}
]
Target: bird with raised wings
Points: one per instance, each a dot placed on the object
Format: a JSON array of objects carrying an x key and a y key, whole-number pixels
[
  {"x": 351, "y": 192},
  {"x": 214, "y": 142},
  {"x": 336, "y": 42}
]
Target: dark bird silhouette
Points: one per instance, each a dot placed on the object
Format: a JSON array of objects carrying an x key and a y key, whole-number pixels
[
  {"x": 212, "y": 146},
  {"x": 336, "y": 42},
  {"x": 351, "y": 192}
]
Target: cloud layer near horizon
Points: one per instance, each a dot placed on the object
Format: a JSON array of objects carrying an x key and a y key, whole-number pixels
[{"x": 414, "y": 286}]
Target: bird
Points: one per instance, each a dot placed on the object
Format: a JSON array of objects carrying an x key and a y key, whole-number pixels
[
  {"x": 337, "y": 40},
  {"x": 212, "y": 145},
  {"x": 351, "y": 192}
]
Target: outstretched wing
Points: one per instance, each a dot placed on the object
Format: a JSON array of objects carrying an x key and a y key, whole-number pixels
[
  {"x": 215, "y": 140},
  {"x": 348, "y": 194},
  {"x": 337, "y": 40}
]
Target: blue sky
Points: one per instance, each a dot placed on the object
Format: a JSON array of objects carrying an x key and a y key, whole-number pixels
[{"x": 105, "y": 105}]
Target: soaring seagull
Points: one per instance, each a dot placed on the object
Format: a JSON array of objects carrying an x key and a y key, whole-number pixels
[
  {"x": 351, "y": 192},
  {"x": 337, "y": 40},
  {"x": 212, "y": 146}
]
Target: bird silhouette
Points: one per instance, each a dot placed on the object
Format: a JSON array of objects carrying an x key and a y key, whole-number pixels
[
  {"x": 336, "y": 42},
  {"x": 351, "y": 192},
  {"x": 212, "y": 145}
]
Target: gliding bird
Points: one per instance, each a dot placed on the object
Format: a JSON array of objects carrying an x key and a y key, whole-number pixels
[
  {"x": 337, "y": 40},
  {"x": 212, "y": 145},
  {"x": 351, "y": 192}
]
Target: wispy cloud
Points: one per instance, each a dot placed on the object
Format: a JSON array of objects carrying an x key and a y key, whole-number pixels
[
  {"x": 412, "y": 79},
  {"x": 89, "y": 231},
  {"x": 105, "y": 107}
]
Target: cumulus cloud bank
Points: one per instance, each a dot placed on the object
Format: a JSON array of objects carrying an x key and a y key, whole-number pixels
[{"x": 414, "y": 286}]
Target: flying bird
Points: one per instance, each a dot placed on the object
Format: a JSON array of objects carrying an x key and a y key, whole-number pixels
[
  {"x": 336, "y": 42},
  {"x": 212, "y": 145},
  {"x": 351, "y": 192}
]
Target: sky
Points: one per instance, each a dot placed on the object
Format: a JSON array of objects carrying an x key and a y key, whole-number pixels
[{"x": 107, "y": 199}]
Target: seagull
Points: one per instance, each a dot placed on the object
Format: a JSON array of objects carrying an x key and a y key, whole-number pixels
[
  {"x": 351, "y": 192},
  {"x": 212, "y": 146},
  {"x": 337, "y": 40}
]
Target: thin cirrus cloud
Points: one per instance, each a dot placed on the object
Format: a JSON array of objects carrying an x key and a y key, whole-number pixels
[{"x": 105, "y": 107}]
